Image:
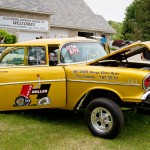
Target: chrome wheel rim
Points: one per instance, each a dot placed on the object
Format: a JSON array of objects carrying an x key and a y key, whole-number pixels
[{"x": 101, "y": 119}]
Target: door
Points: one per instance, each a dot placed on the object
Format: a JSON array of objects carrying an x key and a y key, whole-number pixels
[
  {"x": 26, "y": 36},
  {"x": 30, "y": 87}
]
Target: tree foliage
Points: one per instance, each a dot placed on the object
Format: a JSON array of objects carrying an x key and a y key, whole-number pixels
[
  {"x": 136, "y": 25},
  {"x": 117, "y": 26},
  {"x": 8, "y": 38}
]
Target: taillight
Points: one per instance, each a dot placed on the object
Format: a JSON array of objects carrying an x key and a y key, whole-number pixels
[{"x": 146, "y": 82}]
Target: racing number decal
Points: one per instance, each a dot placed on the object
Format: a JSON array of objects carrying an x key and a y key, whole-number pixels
[{"x": 27, "y": 90}]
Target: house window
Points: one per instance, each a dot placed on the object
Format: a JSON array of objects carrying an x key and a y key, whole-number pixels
[{"x": 85, "y": 34}]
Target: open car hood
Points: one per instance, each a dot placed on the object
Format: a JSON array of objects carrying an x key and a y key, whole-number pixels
[{"x": 125, "y": 52}]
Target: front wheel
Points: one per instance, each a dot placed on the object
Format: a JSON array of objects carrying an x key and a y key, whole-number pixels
[{"x": 104, "y": 118}]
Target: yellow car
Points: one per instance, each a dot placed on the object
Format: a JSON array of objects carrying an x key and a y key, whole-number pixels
[{"x": 75, "y": 73}]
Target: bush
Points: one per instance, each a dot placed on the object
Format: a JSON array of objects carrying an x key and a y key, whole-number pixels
[
  {"x": 14, "y": 38},
  {"x": 8, "y": 38}
]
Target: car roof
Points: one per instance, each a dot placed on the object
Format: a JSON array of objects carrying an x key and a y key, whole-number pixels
[{"x": 48, "y": 41}]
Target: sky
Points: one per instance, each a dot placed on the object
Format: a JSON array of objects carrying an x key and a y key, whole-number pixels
[{"x": 113, "y": 10}]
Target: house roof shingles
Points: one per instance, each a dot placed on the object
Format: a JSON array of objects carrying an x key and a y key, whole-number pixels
[{"x": 65, "y": 13}]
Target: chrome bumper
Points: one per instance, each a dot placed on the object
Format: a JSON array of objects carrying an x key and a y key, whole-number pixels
[
  {"x": 145, "y": 95},
  {"x": 145, "y": 104}
]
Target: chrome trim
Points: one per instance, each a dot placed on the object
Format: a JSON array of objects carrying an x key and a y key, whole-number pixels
[
  {"x": 78, "y": 107},
  {"x": 26, "y": 82},
  {"x": 3, "y": 71},
  {"x": 144, "y": 96},
  {"x": 101, "y": 82}
]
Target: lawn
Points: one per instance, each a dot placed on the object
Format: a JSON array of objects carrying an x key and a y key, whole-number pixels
[{"x": 65, "y": 130}]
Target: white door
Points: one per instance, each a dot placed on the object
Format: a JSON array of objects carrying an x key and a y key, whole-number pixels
[
  {"x": 26, "y": 36},
  {"x": 58, "y": 33}
]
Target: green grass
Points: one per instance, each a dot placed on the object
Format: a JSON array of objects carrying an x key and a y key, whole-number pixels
[{"x": 63, "y": 130}]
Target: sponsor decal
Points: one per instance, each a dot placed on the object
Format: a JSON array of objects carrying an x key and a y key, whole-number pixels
[
  {"x": 26, "y": 90},
  {"x": 96, "y": 75},
  {"x": 42, "y": 91},
  {"x": 24, "y": 98}
]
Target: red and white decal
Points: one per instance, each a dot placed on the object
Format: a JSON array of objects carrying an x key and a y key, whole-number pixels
[
  {"x": 26, "y": 90},
  {"x": 24, "y": 98},
  {"x": 72, "y": 49}
]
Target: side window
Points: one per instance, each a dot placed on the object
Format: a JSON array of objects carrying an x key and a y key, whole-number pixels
[
  {"x": 36, "y": 55},
  {"x": 14, "y": 57},
  {"x": 53, "y": 52}
]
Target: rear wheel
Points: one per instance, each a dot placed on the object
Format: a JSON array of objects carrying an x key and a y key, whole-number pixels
[{"x": 104, "y": 118}]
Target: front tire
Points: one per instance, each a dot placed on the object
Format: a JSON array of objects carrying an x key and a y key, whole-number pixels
[{"x": 104, "y": 118}]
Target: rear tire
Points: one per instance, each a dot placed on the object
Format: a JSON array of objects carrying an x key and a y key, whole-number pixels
[{"x": 104, "y": 118}]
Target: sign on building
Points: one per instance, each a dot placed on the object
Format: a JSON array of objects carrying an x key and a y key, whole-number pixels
[{"x": 23, "y": 23}]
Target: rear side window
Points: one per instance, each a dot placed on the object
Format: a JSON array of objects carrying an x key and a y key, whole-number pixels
[{"x": 14, "y": 57}]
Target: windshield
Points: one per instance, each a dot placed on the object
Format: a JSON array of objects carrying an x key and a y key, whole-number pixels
[{"x": 79, "y": 52}]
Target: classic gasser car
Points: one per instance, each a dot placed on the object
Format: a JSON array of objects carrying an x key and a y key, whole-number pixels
[{"x": 75, "y": 73}]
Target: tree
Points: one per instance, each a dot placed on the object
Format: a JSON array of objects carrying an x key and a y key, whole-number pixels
[
  {"x": 136, "y": 24},
  {"x": 143, "y": 17},
  {"x": 117, "y": 26}
]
